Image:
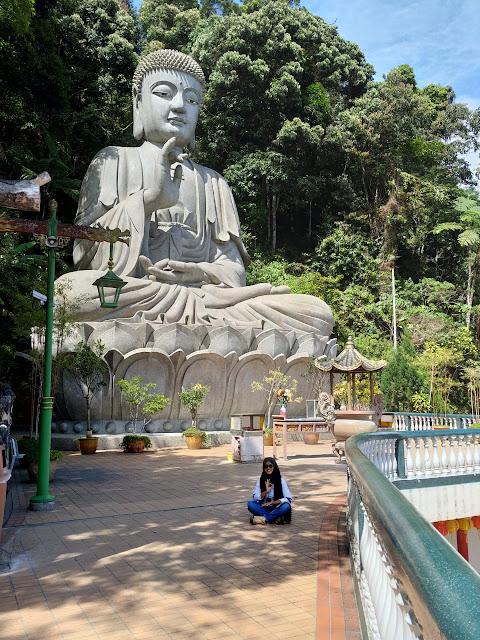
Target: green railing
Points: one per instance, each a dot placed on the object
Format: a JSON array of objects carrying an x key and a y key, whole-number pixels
[{"x": 412, "y": 583}]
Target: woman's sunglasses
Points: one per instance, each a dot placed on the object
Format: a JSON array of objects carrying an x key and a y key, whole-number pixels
[{"x": 268, "y": 466}]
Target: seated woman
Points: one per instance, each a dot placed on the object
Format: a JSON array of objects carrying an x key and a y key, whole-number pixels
[{"x": 271, "y": 497}]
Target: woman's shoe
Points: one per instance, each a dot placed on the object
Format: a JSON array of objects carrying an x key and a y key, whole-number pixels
[
  {"x": 279, "y": 520},
  {"x": 258, "y": 520}
]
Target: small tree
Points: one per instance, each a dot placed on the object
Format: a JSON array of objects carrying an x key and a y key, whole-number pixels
[
  {"x": 136, "y": 394},
  {"x": 271, "y": 384},
  {"x": 65, "y": 310},
  {"x": 87, "y": 368},
  {"x": 401, "y": 379},
  {"x": 192, "y": 399},
  {"x": 472, "y": 377}
]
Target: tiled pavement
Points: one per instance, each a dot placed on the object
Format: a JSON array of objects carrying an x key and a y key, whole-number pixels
[{"x": 158, "y": 545}]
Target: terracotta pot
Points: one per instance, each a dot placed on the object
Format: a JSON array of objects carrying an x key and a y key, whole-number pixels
[
  {"x": 344, "y": 428},
  {"x": 32, "y": 468},
  {"x": 194, "y": 442},
  {"x": 268, "y": 439},
  {"x": 310, "y": 437},
  {"x": 88, "y": 445},
  {"x": 136, "y": 446}
]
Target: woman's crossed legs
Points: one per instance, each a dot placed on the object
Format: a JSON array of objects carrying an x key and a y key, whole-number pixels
[{"x": 269, "y": 514}]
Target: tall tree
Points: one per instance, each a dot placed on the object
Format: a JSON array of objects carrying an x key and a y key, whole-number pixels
[{"x": 468, "y": 211}]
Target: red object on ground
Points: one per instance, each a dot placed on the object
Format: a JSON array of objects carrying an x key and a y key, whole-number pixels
[{"x": 462, "y": 543}]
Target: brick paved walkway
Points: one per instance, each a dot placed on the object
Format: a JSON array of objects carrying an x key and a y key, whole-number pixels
[{"x": 158, "y": 545}]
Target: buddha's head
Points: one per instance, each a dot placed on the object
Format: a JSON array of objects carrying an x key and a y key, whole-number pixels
[{"x": 168, "y": 89}]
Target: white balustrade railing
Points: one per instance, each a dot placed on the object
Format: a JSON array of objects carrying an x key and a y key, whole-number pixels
[
  {"x": 426, "y": 421},
  {"x": 402, "y": 596},
  {"x": 387, "y": 611},
  {"x": 439, "y": 455},
  {"x": 382, "y": 452}
]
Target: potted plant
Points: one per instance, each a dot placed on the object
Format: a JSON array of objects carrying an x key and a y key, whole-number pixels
[
  {"x": 136, "y": 394},
  {"x": 192, "y": 399},
  {"x": 87, "y": 369},
  {"x": 268, "y": 437},
  {"x": 87, "y": 444},
  {"x": 31, "y": 448},
  {"x": 195, "y": 438},
  {"x": 134, "y": 443}
]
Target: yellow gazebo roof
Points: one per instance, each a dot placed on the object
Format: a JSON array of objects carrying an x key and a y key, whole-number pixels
[{"x": 350, "y": 360}]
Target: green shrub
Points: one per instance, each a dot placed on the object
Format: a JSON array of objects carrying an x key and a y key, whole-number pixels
[
  {"x": 31, "y": 448},
  {"x": 128, "y": 439}
]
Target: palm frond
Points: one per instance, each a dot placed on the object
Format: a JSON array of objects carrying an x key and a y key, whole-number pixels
[
  {"x": 468, "y": 238},
  {"x": 447, "y": 226}
]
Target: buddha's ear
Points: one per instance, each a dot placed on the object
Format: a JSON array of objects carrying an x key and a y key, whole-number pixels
[
  {"x": 191, "y": 145},
  {"x": 137, "y": 120}
]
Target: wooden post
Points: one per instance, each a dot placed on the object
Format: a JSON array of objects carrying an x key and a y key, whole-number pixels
[
  {"x": 279, "y": 436},
  {"x": 354, "y": 390},
  {"x": 349, "y": 392},
  {"x": 371, "y": 389}
]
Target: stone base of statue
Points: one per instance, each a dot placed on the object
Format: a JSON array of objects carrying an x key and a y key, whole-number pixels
[{"x": 176, "y": 355}]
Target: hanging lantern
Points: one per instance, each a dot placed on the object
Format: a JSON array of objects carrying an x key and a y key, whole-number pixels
[
  {"x": 465, "y": 524},
  {"x": 441, "y": 527},
  {"x": 452, "y": 526},
  {"x": 109, "y": 281}
]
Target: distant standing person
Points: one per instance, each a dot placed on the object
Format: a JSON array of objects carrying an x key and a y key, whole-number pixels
[{"x": 271, "y": 497}]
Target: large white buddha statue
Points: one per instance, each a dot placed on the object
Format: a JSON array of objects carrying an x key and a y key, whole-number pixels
[{"x": 186, "y": 260}]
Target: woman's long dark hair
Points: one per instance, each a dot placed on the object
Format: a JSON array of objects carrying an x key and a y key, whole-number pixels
[{"x": 275, "y": 478}]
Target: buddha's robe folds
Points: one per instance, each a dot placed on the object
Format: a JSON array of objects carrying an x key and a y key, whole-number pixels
[{"x": 203, "y": 227}]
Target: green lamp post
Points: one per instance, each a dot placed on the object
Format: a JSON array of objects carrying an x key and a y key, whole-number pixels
[
  {"x": 25, "y": 195},
  {"x": 43, "y": 500}
]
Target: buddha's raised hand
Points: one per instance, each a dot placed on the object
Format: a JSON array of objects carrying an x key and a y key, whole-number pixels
[{"x": 165, "y": 190}]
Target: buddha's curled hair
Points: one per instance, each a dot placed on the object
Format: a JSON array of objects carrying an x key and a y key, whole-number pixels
[{"x": 166, "y": 59}]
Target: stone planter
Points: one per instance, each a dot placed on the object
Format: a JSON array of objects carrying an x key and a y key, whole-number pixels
[
  {"x": 310, "y": 437},
  {"x": 344, "y": 428},
  {"x": 350, "y": 423},
  {"x": 88, "y": 445},
  {"x": 32, "y": 468},
  {"x": 193, "y": 442}
]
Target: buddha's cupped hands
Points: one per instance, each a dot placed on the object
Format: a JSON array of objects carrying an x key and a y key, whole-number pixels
[
  {"x": 165, "y": 190},
  {"x": 174, "y": 271}
]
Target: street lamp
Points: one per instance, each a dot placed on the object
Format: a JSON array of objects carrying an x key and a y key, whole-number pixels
[
  {"x": 25, "y": 195},
  {"x": 44, "y": 500},
  {"x": 109, "y": 281}
]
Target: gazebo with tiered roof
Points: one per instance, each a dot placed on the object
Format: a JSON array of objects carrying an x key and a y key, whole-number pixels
[{"x": 351, "y": 362}]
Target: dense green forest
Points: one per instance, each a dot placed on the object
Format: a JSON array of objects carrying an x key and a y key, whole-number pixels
[{"x": 338, "y": 178}]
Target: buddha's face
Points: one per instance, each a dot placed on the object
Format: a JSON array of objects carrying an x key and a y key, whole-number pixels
[{"x": 168, "y": 106}]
